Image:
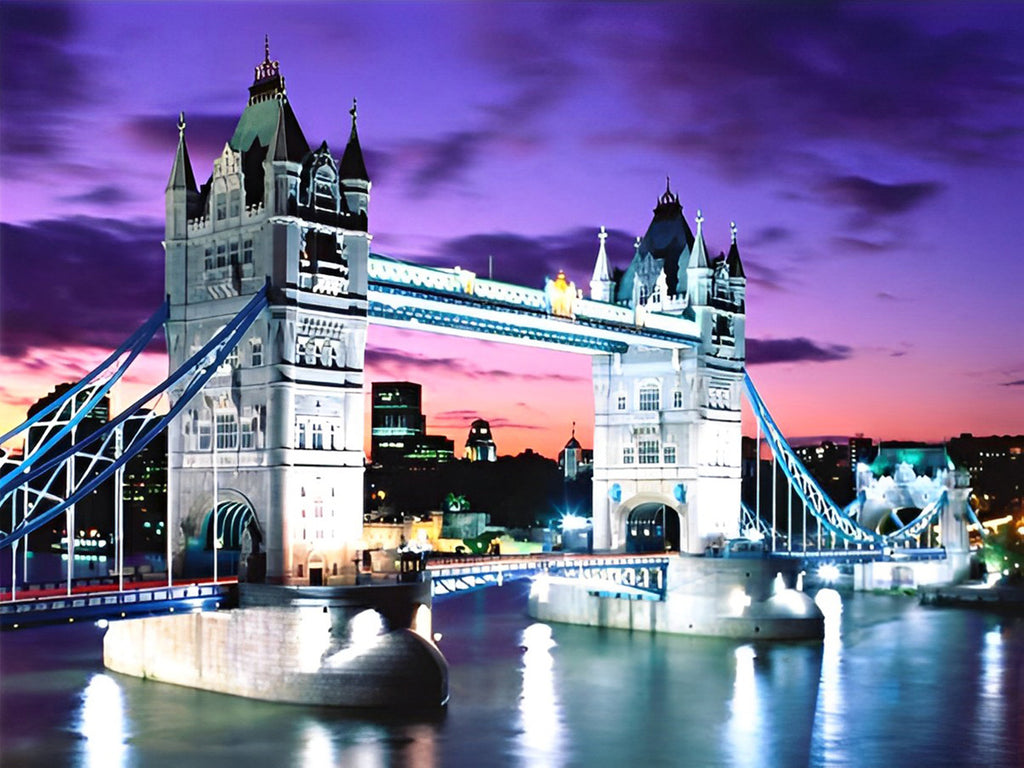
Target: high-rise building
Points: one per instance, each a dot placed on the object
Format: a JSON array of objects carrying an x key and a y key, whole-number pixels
[{"x": 398, "y": 427}]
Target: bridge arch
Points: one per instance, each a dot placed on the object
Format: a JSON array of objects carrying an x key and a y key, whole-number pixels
[
  {"x": 234, "y": 514},
  {"x": 649, "y": 512}
]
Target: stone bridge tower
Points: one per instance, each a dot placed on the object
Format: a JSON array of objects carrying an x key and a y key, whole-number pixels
[
  {"x": 667, "y": 422},
  {"x": 280, "y": 424}
]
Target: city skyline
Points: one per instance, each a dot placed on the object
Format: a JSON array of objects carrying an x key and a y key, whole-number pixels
[{"x": 851, "y": 148}]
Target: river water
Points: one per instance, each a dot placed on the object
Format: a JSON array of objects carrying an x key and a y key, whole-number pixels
[{"x": 894, "y": 683}]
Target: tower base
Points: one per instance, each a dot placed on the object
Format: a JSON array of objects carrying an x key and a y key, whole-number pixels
[
  {"x": 719, "y": 597},
  {"x": 325, "y": 646}
]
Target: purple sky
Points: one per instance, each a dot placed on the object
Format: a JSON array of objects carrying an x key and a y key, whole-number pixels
[{"x": 872, "y": 156}]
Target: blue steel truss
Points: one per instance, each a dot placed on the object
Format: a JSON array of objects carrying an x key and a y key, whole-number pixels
[
  {"x": 186, "y": 382},
  {"x": 840, "y": 523},
  {"x": 126, "y": 353}
]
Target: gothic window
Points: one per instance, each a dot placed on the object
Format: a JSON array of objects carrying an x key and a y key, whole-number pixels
[
  {"x": 327, "y": 354},
  {"x": 620, "y": 402},
  {"x": 650, "y": 397},
  {"x": 677, "y": 399},
  {"x": 235, "y": 203},
  {"x": 205, "y": 442},
  {"x": 247, "y": 435},
  {"x": 318, "y": 437},
  {"x": 232, "y": 359},
  {"x": 649, "y": 451},
  {"x": 302, "y": 434},
  {"x": 309, "y": 352},
  {"x": 335, "y": 440},
  {"x": 256, "y": 352},
  {"x": 222, "y": 206},
  {"x": 227, "y": 431},
  {"x": 247, "y": 251},
  {"x": 627, "y": 454},
  {"x": 643, "y": 293},
  {"x": 670, "y": 454}
]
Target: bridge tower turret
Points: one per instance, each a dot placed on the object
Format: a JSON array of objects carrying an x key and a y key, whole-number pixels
[
  {"x": 667, "y": 422},
  {"x": 279, "y": 428}
]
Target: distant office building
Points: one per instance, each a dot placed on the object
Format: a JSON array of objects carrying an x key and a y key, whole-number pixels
[
  {"x": 398, "y": 427},
  {"x": 94, "y": 514},
  {"x": 574, "y": 459},
  {"x": 145, "y": 495},
  {"x": 862, "y": 451},
  {"x": 996, "y": 465},
  {"x": 480, "y": 443}
]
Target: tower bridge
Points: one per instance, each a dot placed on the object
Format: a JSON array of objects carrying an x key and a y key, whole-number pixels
[{"x": 271, "y": 291}]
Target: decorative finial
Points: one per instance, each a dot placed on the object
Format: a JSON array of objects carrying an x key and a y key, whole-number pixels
[
  {"x": 602, "y": 235},
  {"x": 732, "y": 231},
  {"x": 700, "y": 217},
  {"x": 574, "y": 429},
  {"x": 668, "y": 185},
  {"x": 181, "y": 125},
  {"x": 266, "y": 48},
  {"x": 636, "y": 245},
  {"x": 353, "y": 111}
]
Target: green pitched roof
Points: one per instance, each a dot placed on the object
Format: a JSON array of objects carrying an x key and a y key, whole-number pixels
[{"x": 259, "y": 122}]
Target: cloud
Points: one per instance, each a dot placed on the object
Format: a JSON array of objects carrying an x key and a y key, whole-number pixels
[
  {"x": 463, "y": 418},
  {"x": 106, "y": 194},
  {"x": 436, "y": 163},
  {"x": 873, "y": 198},
  {"x": 1017, "y": 383},
  {"x": 794, "y": 350},
  {"x": 397, "y": 363},
  {"x": 886, "y": 296},
  {"x": 205, "y": 133},
  {"x": 767, "y": 88},
  {"x": 59, "y": 288},
  {"x": 41, "y": 78}
]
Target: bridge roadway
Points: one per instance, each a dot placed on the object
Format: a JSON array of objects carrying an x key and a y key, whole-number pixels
[{"x": 95, "y": 601}]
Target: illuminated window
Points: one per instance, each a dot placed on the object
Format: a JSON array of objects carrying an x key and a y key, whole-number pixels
[
  {"x": 670, "y": 454},
  {"x": 309, "y": 352},
  {"x": 677, "y": 399},
  {"x": 627, "y": 454},
  {"x": 227, "y": 431},
  {"x": 327, "y": 354},
  {"x": 621, "y": 402},
  {"x": 649, "y": 451},
  {"x": 650, "y": 397},
  {"x": 256, "y": 352}
]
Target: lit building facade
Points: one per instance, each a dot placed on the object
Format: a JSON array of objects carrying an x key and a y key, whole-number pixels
[
  {"x": 667, "y": 422},
  {"x": 398, "y": 427},
  {"x": 280, "y": 425}
]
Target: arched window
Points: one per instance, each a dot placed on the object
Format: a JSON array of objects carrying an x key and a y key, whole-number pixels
[
  {"x": 650, "y": 397},
  {"x": 309, "y": 352}
]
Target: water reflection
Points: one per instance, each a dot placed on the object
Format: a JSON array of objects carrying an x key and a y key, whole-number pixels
[
  {"x": 829, "y": 714},
  {"x": 102, "y": 723},
  {"x": 541, "y": 742},
  {"x": 744, "y": 728},
  {"x": 990, "y": 711}
]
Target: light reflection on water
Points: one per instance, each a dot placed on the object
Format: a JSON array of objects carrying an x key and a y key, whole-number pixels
[
  {"x": 890, "y": 679},
  {"x": 539, "y": 709},
  {"x": 102, "y": 724}
]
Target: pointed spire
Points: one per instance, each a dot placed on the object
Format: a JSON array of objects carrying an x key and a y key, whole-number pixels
[
  {"x": 181, "y": 174},
  {"x": 352, "y": 164},
  {"x": 699, "y": 254},
  {"x": 733, "y": 259},
  {"x": 267, "y": 82},
  {"x": 601, "y": 271}
]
